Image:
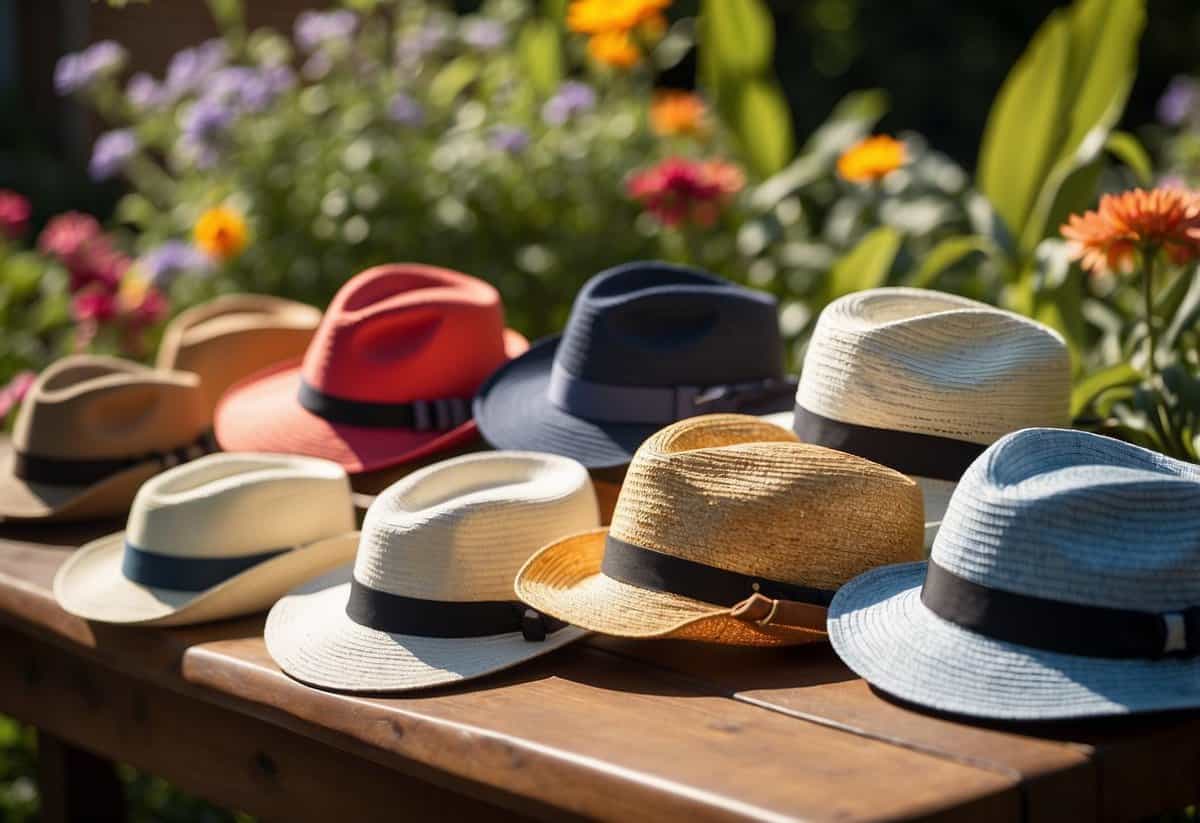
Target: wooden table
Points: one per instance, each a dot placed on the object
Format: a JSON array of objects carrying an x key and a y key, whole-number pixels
[{"x": 604, "y": 729}]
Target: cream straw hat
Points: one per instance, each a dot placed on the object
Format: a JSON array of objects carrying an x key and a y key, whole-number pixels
[
  {"x": 924, "y": 381},
  {"x": 223, "y": 536},
  {"x": 430, "y": 597},
  {"x": 728, "y": 530}
]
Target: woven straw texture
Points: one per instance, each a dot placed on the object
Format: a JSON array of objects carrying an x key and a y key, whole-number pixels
[
  {"x": 455, "y": 531},
  {"x": 736, "y": 493},
  {"x": 93, "y": 407},
  {"x": 1056, "y": 514},
  {"x": 923, "y": 361},
  {"x": 212, "y": 508}
]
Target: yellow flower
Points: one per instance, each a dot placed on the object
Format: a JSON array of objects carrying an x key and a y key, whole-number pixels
[
  {"x": 871, "y": 159},
  {"x": 615, "y": 49},
  {"x": 678, "y": 112},
  {"x": 608, "y": 16},
  {"x": 221, "y": 233}
]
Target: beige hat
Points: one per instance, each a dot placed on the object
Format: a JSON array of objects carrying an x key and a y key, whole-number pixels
[
  {"x": 430, "y": 597},
  {"x": 924, "y": 381},
  {"x": 233, "y": 336},
  {"x": 728, "y": 530},
  {"x": 222, "y": 536},
  {"x": 91, "y": 430}
]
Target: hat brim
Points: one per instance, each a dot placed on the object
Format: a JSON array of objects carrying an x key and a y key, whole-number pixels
[
  {"x": 91, "y": 585},
  {"x": 883, "y": 631},
  {"x": 564, "y": 580},
  {"x": 513, "y": 411},
  {"x": 313, "y": 640},
  {"x": 111, "y": 497},
  {"x": 262, "y": 413}
]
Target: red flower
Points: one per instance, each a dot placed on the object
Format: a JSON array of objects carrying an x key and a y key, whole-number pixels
[
  {"x": 12, "y": 394},
  {"x": 93, "y": 306},
  {"x": 77, "y": 241},
  {"x": 66, "y": 235},
  {"x": 14, "y": 215},
  {"x": 680, "y": 191}
]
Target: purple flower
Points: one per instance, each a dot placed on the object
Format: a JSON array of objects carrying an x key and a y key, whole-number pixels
[
  {"x": 426, "y": 40},
  {"x": 190, "y": 68},
  {"x": 571, "y": 98},
  {"x": 111, "y": 152},
  {"x": 144, "y": 92},
  {"x": 315, "y": 28},
  {"x": 207, "y": 118},
  {"x": 173, "y": 258},
  {"x": 405, "y": 110},
  {"x": 1179, "y": 100},
  {"x": 483, "y": 34},
  {"x": 509, "y": 139},
  {"x": 74, "y": 72}
]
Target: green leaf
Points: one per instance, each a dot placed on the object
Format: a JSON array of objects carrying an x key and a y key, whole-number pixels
[
  {"x": 453, "y": 80},
  {"x": 946, "y": 254},
  {"x": 1187, "y": 312},
  {"x": 540, "y": 51},
  {"x": 764, "y": 125},
  {"x": 1090, "y": 388},
  {"x": 740, "y": 37},
  {"x": 1129, "y": 150},
  {"x": 866, "y": 265}
]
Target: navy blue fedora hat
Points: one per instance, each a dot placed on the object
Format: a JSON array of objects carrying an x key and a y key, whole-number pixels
[{"x": 647, "y": 343}]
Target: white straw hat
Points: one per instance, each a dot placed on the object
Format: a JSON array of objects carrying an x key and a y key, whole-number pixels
[
  {"x": 1065, "y": 582},
  {"x": 430, "y": 597},
  {"x": 222, "y": 536},
  {"x": 923, "y": 381}
]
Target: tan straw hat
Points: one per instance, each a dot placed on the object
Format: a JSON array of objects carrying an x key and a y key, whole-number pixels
[
  {"x": 430, "y": 597},
  {"x": 223, "y": 536},
  {"x": 728, "y": 530},
  {"x": 924, "y": 381},
  {"x": 91, "y": 430},
  {"x": 233, "y": 336}
]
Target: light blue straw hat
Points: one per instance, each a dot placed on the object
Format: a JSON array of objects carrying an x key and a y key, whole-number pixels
[{"x": 1065, "y": 582}]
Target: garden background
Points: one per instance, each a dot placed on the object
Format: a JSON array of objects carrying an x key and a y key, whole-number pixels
[{"x": 536, "y": 142}]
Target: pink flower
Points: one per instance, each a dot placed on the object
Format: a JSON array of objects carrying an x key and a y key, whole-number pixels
[
  {"x": 14, "y": 215},
  {"x": 12, "y": 394},
  {"x": 680, "y": 191},
  {"x": 93, "y": 306},
  {"x": 77, "y": 241},
  {"x": 66, "y": 235}
]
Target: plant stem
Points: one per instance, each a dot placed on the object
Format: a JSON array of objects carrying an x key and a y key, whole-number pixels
[{"x": 1149, "y": 255}]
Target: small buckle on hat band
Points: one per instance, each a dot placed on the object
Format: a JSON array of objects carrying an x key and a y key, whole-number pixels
[{"x": 1181, "y": 632}]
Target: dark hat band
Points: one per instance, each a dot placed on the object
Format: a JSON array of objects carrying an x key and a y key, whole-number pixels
[
  {"x": 61, "y": 471},
  {"x": 398, "y": 614},
  {"x": 186, "y": 574},
  {"x": 658, "y": 404},
  {"x": 648, "y": 569},
  {"x": 925, "y": 455},
  {"x": 441, "y": 414},
  {"x": 1055, "y": 626}
]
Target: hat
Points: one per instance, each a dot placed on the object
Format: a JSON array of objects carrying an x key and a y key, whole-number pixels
[
  {"x": 233, "y": 336},
  {"x": 728, "y": 530},
  {"x": 388, "y": 377},
  {"x": 1065, "y": 582},
  {"x": 923, "y": 381},
  {"x": 91, "y": 430},
  {"x": 646, "y": 344},
  {"x": 223, "y": 536},
  {"x": 430, "y": 597}
]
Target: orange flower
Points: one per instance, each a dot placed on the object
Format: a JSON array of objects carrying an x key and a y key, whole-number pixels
[
  {"x": 1108, "y": 239},
  {"x": 871, "y": 159},
  {"x": 607, "y": 16},
  {"x": 221, "y": 233},
  {"x": 678, "y": 112},
  {"x": 614, "y": 48}
]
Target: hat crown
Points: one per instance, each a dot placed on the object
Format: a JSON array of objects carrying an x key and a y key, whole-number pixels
[
  {"x": 927, "y": 362},
  {"x": 658, "y": 324},
  {"x": 1077, "y": 517},
  {"x": 460, "y": 530},
  {"x": 740, "y": 494},
  {"x": 92, "y": 407},
  {"x": 392, "y": 332},
  {"x": 213, "y": 506}
]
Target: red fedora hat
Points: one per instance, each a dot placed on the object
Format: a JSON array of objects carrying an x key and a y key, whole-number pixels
[{"x": 388, "y": 377}]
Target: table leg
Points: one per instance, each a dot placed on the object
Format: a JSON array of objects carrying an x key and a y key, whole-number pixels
[{"x": 75, "y": 785}]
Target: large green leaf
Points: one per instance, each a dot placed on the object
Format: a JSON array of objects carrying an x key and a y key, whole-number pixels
[
  {"x": 944, "y": 255},
  {"x": 1097, "y": 383},
  {"x": 740, "y": 36},
  {"x": 1130, "y": 151},
  {"x": 764, "y": 124},
  {"x": 866, "y": 265},
  {"x": 540, "y": 50}
]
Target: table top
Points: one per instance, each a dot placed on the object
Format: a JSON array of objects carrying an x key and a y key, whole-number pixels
[{"x": 637, "y": 730}]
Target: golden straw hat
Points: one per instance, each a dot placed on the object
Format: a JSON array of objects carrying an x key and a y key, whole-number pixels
[
  {"x": 233, "y": 336},
  {"x": 728, "y": 530},
  {"x": 91, "y": 430}
]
